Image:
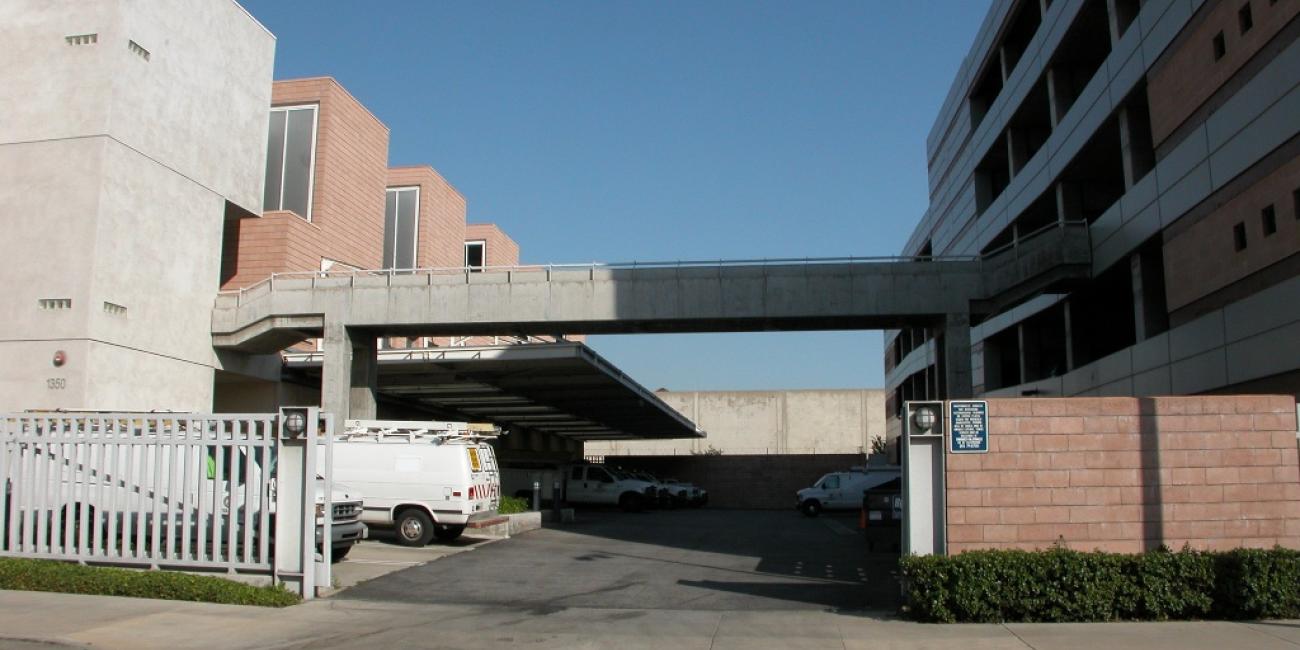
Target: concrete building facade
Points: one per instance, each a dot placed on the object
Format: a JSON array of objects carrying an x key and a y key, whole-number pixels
[
  {"x": 131, "y": 131},
  {"x": 1169, "y": 128},
  {"x": 766, "y": 423}
]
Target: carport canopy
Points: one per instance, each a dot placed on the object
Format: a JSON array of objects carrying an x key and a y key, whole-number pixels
[{"x": 565, "y": 389}]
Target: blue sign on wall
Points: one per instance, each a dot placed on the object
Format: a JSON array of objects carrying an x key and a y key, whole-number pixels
[{"x": 968, "y": 427}]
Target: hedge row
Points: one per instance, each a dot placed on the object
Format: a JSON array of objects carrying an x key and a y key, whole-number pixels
[
  {"x": 512, "y": 505},
  {"x": 46, "y": 575},
  {"x": 1061, "y": 585}
]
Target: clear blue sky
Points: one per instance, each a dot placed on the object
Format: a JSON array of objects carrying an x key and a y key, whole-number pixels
[{"x": 651, "y": 131}]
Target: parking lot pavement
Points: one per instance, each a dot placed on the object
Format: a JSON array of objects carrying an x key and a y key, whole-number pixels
[
  {"x": 381, "y": 555},
  {"x": 718, "y": 560}
]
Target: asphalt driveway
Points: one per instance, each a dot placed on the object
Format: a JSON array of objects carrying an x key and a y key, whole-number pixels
[{"x": 721, "y": 560}]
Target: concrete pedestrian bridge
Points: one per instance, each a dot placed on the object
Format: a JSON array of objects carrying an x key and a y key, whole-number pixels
[{"x": 349, "y": 310}]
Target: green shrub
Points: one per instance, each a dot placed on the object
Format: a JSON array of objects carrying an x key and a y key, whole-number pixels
[
  {"x": 512, "y": 505},
  {"x": 1063, "y": 585},
  {"x": 1255, "y": 583},
  {"x": 47, "y": 575}
]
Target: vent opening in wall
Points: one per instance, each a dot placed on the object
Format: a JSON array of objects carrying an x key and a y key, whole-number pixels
[
  {"x": 114, "y": 309},
  {"x": 82, "y": 39},
  {"x": 55, "y": 303},
  {"x": 137, "y": 50}
]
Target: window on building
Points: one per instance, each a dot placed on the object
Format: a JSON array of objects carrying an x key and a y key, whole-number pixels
[
  {"x": 401, "y": 227},
  {"x": 1244, "y": 18},
  {"x": 290, "y": 160},
  {"x": 1239, "y": 236},
  {"x": 1295, "y": 203},
  {"x": 1268, "y": 216},
  {"x": 475, "y": 255},
  {"x": 1220, "y": 47}
]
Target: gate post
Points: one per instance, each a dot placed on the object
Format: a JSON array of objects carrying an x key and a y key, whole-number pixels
[
  {"x": 295, "y": 502},
  {"x": 924, "y": 496}
]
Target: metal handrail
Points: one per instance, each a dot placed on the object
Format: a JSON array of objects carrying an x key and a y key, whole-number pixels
[
  {"x": 1055, "y": 225},
  {"x": 593, "y": 266}
]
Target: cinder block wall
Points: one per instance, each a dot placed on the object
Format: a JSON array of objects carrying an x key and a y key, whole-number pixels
[
  {"x": 749, "y": 481},
  {"x": 1130, "y": 474}
]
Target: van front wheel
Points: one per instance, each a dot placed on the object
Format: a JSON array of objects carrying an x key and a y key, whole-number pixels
[
  {"x": 414, "y": 528},
  {"x": 812, "y": 507}
]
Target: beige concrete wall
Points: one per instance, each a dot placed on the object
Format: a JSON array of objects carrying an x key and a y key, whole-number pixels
[
  {"x": 117, "y": 172},
  {"x": 768, "y": 422}
]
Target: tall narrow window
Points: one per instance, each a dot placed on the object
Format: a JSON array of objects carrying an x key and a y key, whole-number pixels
[
  {"x": 1244, "y": 18},
  {"x": 290, "y": 160},
  {"x": 1239, "y": 237},
  {"x": 1220, "y": 46},
  {"x": 401, "y": 227},
  {"x": 475, "y": 254},
  {"x": 1268, "y": 219}
]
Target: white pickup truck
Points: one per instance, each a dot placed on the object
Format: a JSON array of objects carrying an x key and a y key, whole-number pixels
[{"x": 602, "y": 485}]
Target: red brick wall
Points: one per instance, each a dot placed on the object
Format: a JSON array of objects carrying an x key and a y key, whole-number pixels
[
  {"x": 501, "y": 249},
  {"x": 277, "y": 242},
  {"x": 351, "y": 171},
  {"x": 1127, "y": 474},
  {"x": 1186, "y": 75},
  {"x": 442, "y": 216},
  {"x": 1202, "y": 258}
]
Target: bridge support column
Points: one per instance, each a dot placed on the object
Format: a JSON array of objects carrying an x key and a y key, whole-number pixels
[
  {"x": 955, "y": 358},
  {"x": 349, "y": 373}
]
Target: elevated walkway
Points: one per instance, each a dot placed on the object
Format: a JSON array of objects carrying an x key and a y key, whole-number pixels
[{"x": 350, "y": 309}]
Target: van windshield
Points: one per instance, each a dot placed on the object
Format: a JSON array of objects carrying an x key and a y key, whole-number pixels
[{"x": 829, "y": 482}]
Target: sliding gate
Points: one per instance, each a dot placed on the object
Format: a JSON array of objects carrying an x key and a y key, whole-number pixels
[{"x": 168, "y": 491}]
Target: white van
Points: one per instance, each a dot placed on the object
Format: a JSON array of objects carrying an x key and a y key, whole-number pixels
[
  {"x": 843, "y": 490},
  {"x": 425, "y": 480}
]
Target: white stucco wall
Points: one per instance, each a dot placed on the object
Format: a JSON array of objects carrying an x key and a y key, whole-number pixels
[
  {"x": 117, "y": 173},
  {"x": 768, "y": 422}
]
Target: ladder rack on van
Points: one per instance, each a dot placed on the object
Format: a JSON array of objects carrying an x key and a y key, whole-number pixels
[{"x": 380, "y": 430}]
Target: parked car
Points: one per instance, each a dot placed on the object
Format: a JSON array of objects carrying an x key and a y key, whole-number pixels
[{"x": 686, "y": 493}]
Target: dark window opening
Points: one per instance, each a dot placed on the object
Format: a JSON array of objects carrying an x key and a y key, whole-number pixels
[
  {"x": 1102, "y": 316},
  {"x": 992, "y": 176},
  {"x": 1220, "y": 47},
  {"x": 1239, "y": 237},
  {"x": 1029, "y": 127},
  {"x": 1024, "y": 23},
  {"x": 1126, "y": 12},
  {"x": 1295, "y": 203},
  {"x": 926, "y": 253},
  {"x": 1096, "y": 175},
  {"x": 1244, "y": 18},
  {"x": 1002, "y": 359},
  {"x": 475, "y": 255},
  {"x": 985, "y": 92},
  {"x": 1268, "y": 216},
  {"x": 1141, "y": 144},
  {"x": 1081, "y": 53},
  {"x": 1044, "y": 348}
]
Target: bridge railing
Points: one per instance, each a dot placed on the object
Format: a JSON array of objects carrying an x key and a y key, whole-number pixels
[{"x": 351, "y": 274}]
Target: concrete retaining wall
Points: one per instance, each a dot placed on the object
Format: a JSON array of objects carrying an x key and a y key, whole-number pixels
[{"x": 1129, "y": 474}]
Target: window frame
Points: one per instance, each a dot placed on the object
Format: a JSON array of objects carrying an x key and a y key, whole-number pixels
[
  {"x": 415, "y": 234},
  {"x": 465, "y": 255},
  {"x": 284, "y": 150}
]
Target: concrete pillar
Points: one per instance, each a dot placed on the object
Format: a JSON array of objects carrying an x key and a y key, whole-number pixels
[
  {"x": 1150, "y": 316},
  {"x": 1059, "y": 94},
  {"x": 349, "y": 373},
  {"x": 1023, "y": 357},
  {"x": 1017, "y": 151},
  {"x": 955, "y": 358},
  {"x": 1069, "y": 202},
  {"x": 1069, "y": 336},
  {"x": 1002, "y": 63},
  {"x": 1136, "y": 149},
  {"x": 1112, "y": 19}
]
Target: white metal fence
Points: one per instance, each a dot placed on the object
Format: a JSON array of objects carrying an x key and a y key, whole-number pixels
[{"x": 162, "y": 491}]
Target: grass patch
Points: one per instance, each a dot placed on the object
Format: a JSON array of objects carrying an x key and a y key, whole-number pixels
[
  {"x": 1060, "y": 585},
  {"x": 23, "y": 574},
  {"x": 512, "y": 505}
]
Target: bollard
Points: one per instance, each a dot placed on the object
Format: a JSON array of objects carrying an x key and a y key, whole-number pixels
[
  {"x": 555, "y": 500},
  {"x": 537, "y": 496}
]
